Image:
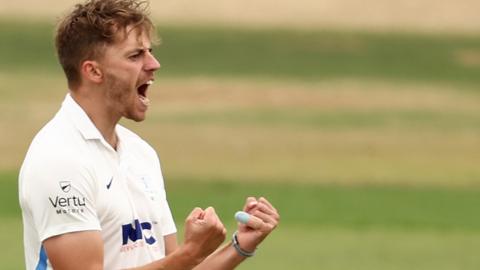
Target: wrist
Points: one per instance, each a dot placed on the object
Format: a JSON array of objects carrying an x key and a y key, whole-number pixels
[
  {"x": 239, "y": 249},
  {"x": 189, "y": 256}
]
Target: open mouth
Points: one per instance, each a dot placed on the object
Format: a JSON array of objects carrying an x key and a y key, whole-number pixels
[{"x": 142, "y": 92}]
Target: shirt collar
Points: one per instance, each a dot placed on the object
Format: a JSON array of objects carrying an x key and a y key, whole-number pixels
[{"x": 80, "y": 119}]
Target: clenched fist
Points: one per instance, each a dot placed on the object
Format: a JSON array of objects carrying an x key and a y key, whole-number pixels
[
  {"x": 204, "y": 232},
  {"x": 264, "y": 218}
]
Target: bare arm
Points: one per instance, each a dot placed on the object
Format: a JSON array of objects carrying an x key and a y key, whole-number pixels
[
  {"x": 225, "y": 257},
  {"x": 170, "y": 243},
  {"x": 84, "y": 250},
  {"x": 78, "y": 250}
]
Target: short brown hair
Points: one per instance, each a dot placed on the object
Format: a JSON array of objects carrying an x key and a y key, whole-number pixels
[{"x": 83, "y": 33}]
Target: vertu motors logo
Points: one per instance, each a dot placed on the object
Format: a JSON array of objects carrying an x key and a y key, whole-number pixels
[{"x": 65, "y": 186}]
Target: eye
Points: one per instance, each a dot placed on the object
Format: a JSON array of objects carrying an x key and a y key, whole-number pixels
[{"x": 135, "y": 56}]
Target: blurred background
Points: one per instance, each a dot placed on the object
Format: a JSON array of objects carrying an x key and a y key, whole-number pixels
[{"x": 359, "y": 120}]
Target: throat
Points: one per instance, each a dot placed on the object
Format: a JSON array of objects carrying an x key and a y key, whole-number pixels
[{"x": 113, "y": 141}]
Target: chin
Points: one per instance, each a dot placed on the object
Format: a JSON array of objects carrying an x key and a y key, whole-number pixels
[{"x": 136, "y": 118}]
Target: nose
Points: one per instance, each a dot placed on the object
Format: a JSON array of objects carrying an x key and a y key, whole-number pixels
[{"x": 151, "y": 63}]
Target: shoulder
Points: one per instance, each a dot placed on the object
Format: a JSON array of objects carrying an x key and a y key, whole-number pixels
[
  {"x": 55, "y": 153},
  {"x": 56, "y": 134},
  {"x": 58, "y": 141}
]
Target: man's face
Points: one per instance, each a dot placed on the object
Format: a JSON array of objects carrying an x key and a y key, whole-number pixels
[{"x": 129, "y": 67}]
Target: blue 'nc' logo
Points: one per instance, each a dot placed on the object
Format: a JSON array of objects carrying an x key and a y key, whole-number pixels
[{"x": 134, "y": 234}]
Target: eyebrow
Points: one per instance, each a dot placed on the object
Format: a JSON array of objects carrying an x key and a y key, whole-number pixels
[{"x": 139, "y": 50}]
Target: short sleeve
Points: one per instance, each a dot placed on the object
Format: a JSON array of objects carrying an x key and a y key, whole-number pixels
[
  {"x": 60, "y": 195},
  {"x": 167, "y": 220}
]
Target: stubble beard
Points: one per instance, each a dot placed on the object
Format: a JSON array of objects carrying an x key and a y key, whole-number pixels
[{"x": 119, "y": 97}]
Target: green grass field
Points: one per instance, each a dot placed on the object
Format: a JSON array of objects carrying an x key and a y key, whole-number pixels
[
  {"x": 327, "y": 227},
  {"x": 367, "y": 143},
  {"x": 275, "y": 54}
]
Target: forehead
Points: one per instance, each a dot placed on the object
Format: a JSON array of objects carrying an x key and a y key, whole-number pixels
[{"x": 132, "y": 37}]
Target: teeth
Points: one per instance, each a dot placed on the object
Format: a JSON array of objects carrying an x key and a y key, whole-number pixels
[
  {"x": 149, "y": 82},
  {"x": 145, "y": 100}
]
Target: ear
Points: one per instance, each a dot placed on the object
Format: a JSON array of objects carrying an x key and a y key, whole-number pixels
[{"x": 91, "y": 71}]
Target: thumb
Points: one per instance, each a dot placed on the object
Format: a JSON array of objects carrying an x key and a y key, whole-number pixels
[{"x": 249, "y": 220}]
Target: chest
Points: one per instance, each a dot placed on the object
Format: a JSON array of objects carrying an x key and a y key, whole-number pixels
[{"x": 130, "y": 193}]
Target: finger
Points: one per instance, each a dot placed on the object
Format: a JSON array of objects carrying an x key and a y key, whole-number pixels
[
  {"x": 197, "y": 213},
  {"x": 211, "y": 216},
  {"x": 266, "y": 218},
  {"x": 265, "y": 201},
  {"x": 270, "y": 212},
  {"x": 196, "y": 216},
  {"x": 249, "y": 220},
  {"x": 264, "y": 208},
  {"x": 210, "y": 212},
  {"x": 212, "y": 219},
  {"x": 250, "y": 203}
]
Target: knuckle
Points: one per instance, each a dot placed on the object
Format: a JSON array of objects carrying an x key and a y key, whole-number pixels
[
  {"x": 276, "y": 222},
  {"x": 189, "y": 219}
]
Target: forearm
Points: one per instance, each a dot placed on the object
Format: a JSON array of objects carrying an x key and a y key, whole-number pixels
[
  {"x": 225, "y": 258},
  {"x": 180, "y": 259},
  {"x": 204, "y": 233}
]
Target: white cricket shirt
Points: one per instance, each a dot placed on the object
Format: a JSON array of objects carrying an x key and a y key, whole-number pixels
[{"x": 73, "y": 180}]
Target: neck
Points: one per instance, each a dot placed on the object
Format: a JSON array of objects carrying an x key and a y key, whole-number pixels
[{"x": 99, "y": 114}]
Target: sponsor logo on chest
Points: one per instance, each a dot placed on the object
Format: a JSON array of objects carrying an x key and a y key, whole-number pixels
[{"x": 137, "y": 235}]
